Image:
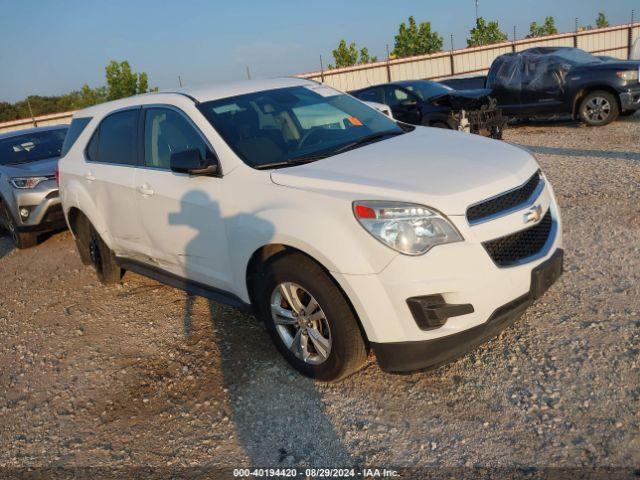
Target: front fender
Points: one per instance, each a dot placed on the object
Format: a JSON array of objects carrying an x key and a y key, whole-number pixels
[{"x": 337, "y": 242}]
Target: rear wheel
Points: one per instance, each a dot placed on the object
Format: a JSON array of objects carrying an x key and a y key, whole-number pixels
[
  {"x": 309, "y": 319},
  {"x": 20, "y": 239},
  {"x": 599, "y": 108},
  {"x": 103, "y": 260}
]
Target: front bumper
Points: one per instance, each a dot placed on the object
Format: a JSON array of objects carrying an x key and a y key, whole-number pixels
[
  {"x": 45, "y": 209},
  {"x": 412, "y": 356},
  {"x": 630, "y": 100},
  {"x": 460, "y": 275}
]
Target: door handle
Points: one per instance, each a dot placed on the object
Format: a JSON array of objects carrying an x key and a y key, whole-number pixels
[
  {"x": 89, "y": 177},
  {"x": 145, "y": 190}
]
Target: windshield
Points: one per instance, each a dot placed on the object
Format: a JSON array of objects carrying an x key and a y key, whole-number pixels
[
  {"x": 426, "y": 90},
  {"x": 31, "y": 147},
  {"x": 295, "y": 124}
]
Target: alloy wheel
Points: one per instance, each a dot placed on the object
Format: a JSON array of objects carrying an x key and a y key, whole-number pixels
[
  {"x": 301, "y": 323},
  {"x": 598, "y": 109}
]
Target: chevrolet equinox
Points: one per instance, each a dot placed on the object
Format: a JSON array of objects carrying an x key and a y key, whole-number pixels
[{"x": 341, "y": 229}]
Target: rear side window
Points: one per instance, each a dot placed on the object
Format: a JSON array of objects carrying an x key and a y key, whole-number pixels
[
  {"x": 115, "y": 140},
  {"x": 75, "y": 129},
  {"x": 371, "y": 95}
]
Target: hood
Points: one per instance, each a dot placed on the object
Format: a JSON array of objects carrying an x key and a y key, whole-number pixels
[
  {"x": 31, "y": 169},
  {"x": 465, "y": 99},
  {"x": 443, "y": 169},
  {"x": 612, "y": 65}
]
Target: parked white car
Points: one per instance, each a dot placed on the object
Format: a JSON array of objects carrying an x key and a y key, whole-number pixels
[{"x": 341, "y": 229}]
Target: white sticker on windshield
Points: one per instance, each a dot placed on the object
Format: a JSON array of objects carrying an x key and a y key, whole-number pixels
[{"x": 323, "y": 90}]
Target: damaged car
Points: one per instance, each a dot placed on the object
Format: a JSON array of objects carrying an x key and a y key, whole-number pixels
[
  {"x": 562, "y": 81},
  {"x": 432, "y": 104}
]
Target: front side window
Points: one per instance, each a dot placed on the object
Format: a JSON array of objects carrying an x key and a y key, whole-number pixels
[
  {"x": 296, "y": 124},
  {"x": 397, "y": 96},
  {"x": 31, "y": 147},
  {"x": 115, "y": 140},
  {"x": 168, "y": 132}
]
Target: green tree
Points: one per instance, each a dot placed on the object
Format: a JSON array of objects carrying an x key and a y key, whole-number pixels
[
  {"x": 414, "y": 39},
  {"x": 485, "y": 33},
  {"x": 601, "y": 21},
  {"x": 122, "y": 82},
  {"x": 547, "y": 28},
  {"x": 347, "y": 56}
]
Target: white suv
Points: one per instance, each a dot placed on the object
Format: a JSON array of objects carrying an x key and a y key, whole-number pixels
[{"x": 340, "y": 228}]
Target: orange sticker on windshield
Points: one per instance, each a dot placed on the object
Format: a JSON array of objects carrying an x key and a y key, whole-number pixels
[{"x": 354, "y": 121}]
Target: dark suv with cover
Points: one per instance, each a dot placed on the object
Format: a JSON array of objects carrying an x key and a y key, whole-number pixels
[{"x": 552, "y": 81}]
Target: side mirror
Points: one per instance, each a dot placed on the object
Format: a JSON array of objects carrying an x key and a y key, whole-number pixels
[
  {"x": 409, "y": 102},
  {"x": 191, "y": 162}
]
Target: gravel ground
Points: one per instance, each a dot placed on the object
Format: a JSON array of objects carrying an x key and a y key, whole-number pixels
[{"x": 140, "y": 374}]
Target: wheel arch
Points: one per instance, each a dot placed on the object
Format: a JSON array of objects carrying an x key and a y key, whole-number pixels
[
  {"x": 262, "y": 256},
  {"x": 593, "y": 88}
]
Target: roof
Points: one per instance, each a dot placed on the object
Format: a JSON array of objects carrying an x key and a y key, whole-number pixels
[
  {"x": 202, "y": 93},
  {"x": 27, "y": 131}
]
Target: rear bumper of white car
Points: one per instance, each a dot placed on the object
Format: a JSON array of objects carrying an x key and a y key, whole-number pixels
[{"x": 466, "y": 294}]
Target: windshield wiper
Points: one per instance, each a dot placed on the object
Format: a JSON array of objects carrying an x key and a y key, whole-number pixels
[
  {"x": 367, "y": 139},
  {"x": 292, "y": 161}
]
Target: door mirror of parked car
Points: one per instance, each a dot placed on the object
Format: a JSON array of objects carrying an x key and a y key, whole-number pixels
[
  {"x": 409, "y": 102},
  {"x": 191, "y": 162}
]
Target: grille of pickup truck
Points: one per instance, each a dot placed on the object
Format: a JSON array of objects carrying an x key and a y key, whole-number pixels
[
  {"x": 510, "y": 250},
  {"x": 502, "y": 203}
]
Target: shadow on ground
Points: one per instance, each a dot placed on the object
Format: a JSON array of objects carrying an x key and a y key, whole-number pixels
[
  {"x": 577, "y": 152},
  {"x": 277, "y": 413}
]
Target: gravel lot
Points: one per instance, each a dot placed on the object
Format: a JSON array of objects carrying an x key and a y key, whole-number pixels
[{"x": 140, "y": 374}]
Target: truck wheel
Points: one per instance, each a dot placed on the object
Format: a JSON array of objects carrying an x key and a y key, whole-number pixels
[
  {"x": 21, "y": 240},
  {"x": 309, "y": 319},
  {"x": 103, "y": 260},
  {"x": 599, "y": 108}
]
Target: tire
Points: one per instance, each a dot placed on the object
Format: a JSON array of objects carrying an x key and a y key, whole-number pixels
[
  {"x": 103, "y": 260},
  {"x": 297, "y": 274},
  {"x": 599, "y": 108},
  {"x": 440, "y": 125},
  {"x": 21, "y": 240}
]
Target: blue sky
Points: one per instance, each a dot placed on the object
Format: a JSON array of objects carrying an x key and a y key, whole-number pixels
[{"x": 51, "y": 47}]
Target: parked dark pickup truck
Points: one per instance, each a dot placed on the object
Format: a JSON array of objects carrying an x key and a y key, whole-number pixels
[{"x": 565, "y": 81}]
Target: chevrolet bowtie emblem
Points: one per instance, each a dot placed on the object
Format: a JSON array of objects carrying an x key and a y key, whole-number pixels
[{"x": 533, "y": 214}]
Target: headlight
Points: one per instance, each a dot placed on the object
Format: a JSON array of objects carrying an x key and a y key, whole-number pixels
[
  {"x": 28, "y": 182},
  {"x": 406, "y": 227},
  {"x": 629, "y": 75}
]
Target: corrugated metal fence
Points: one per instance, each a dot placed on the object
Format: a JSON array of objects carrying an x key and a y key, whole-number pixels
[{"x": 612, "y": 41}]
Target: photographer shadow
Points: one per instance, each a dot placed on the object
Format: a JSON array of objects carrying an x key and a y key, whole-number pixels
[{"x": 278, "y": 414}]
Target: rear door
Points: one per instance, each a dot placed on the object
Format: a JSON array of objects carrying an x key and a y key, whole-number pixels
[
  {"x": 110, "y": 168},
  {"x": 180, "y": 213}
]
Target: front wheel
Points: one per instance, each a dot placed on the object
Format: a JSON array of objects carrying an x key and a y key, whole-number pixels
[
  {"x": 21, "y": 240},
  {"x": 599, "y": 108},
  {"x": 309, "y": 319}
]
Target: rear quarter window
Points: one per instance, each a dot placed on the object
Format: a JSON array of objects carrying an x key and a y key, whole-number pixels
[{"x": 75, "y": 129}]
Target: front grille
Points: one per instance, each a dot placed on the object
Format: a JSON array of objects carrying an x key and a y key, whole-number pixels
[
  {"x": 504, "y": 202},
  {"x": 509, "y": 250}
]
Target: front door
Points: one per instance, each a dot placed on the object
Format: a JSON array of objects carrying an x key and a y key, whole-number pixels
[
  {"x": 181, "y": 214},
  {"x": 403, "y": 104}
]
